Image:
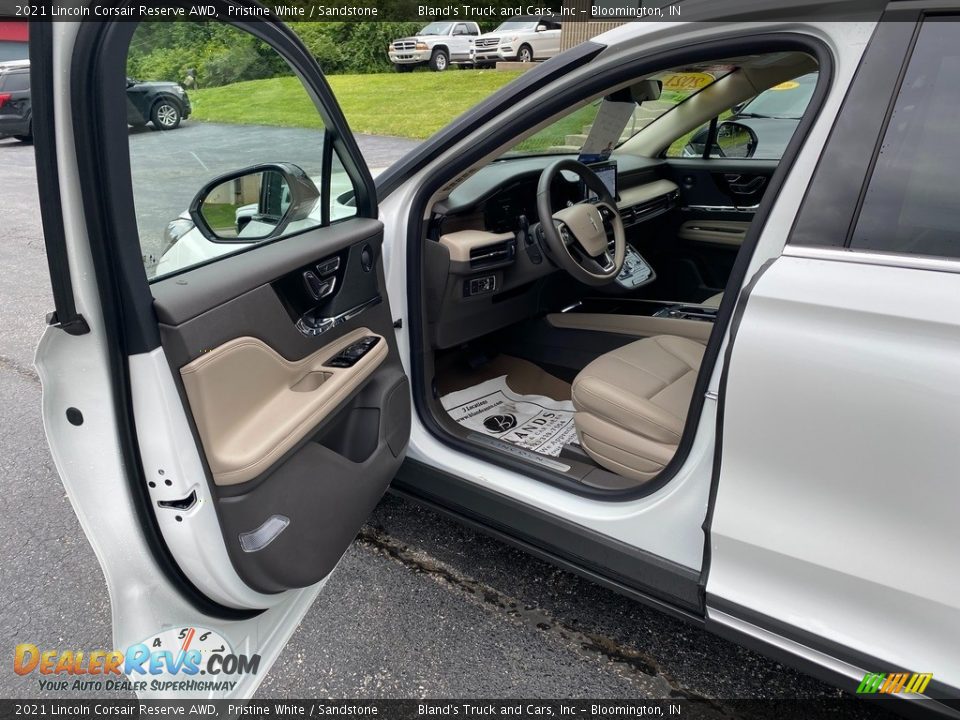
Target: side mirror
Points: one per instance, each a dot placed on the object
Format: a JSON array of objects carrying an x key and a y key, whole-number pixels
[
  {"x": 256, "y": 203},
  {"x": 735, "y": 140},
  {"x": 541, "y": 28}
]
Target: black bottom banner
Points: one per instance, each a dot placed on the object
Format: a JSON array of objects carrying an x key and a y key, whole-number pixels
[{"x": 460, "y": 709}]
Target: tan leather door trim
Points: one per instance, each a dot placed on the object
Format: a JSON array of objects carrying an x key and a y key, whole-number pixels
[
  {"x": 251, "y": 405},
  {"x": 633, "y": 325},
  {"x": 720, "y": 232}
]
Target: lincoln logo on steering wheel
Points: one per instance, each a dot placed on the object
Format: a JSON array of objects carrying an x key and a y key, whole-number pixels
[
  {"x": 592, "y": 222},
  {"x": 500, "y": 423}
]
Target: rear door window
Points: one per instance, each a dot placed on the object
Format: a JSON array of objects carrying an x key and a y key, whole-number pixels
[{"x": 911, "y": 201}]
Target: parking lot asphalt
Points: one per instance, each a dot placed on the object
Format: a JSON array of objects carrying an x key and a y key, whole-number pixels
[{"x": 419, "y": 607}]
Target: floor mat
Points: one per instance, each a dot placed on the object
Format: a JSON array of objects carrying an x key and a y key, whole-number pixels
[
  {"x": 523, "y": 376},
  {"x": 533, "y": 422}
]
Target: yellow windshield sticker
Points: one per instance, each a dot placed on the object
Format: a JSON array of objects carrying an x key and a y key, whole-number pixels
[{"x": 686, "y": 82}]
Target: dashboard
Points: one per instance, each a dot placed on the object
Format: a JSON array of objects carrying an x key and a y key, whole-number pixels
[
  {"x": 502, "y": 212},
  {"x": 487, "y": 262}
]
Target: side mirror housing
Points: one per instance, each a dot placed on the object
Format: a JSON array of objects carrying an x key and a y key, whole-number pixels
[
  {"x": 736, "y": 140},
  {"x": 255, "y": 203}
]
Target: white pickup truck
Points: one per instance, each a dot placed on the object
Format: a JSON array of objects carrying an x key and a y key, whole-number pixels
[{"x": 438, "y": 45}]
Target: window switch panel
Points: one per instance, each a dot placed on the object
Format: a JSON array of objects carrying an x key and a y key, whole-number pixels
[{"x": 351, "y": 355}]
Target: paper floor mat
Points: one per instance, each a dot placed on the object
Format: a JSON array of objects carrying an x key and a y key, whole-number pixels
[{"x": 533, "y": 422}]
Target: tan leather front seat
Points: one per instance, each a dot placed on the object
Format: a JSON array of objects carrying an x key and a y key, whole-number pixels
[
  {"x": 632, "y": 403},
  {"x": 713, "y": 301}
]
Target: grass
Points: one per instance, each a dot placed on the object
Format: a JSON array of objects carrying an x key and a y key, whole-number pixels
[
  {"x": 222, "y": 218},
  {"x": 555, "y": 135},
  {"x": 413, "y": 105}
]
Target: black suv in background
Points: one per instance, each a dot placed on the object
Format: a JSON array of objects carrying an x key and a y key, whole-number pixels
[
  {"x": 164, "y": 104},
  {"x": 16, "y": 117}
]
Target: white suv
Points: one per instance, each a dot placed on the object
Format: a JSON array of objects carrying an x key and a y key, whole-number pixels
[
  {"x": 521, "y": 38},
  {"x": 756, "y": 434}
]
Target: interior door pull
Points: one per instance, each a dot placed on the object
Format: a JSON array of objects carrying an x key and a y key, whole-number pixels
[
  {"x": 311, "y": 325},
  {"x": 749, "y": 187}
]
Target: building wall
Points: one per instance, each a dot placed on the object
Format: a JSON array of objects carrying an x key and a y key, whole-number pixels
[
  {"x": 13, "y": 51},
  {"x": 13, "y": 40},
  {"x": 574, "y": 33}
]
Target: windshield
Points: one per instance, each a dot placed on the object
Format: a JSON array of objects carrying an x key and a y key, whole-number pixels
[
  {"x": 514, "y": 26},
  {"x": 570, "y": 133},
  {"x": 787, "y": 100},
  {"x": 437, "y": 28}
]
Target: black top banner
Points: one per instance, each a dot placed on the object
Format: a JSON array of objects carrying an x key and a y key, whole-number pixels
[{"x": 563, "y": 11}]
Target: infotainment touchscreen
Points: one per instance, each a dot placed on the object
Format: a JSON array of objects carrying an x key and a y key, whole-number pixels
[{"x": 607, "y": 172}]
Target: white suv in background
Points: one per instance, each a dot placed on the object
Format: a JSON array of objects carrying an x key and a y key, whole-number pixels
[{"x": 524, "y": 38}]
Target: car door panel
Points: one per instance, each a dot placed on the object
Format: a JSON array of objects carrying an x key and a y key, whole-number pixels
[
  {"x": 715, "y": 232},
  {"x": 835, "y": 508},
  {"x": 718, "y": 199},
  {"x": 178, "y": 549},
  {"x": 720, "y": 185},
  {"x": 298, "y": 452},
  {"x": 251, "y": 405}
]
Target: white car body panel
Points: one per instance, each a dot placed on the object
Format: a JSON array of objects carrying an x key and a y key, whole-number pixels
[
  {"x": 867, "y": 360},
  {"x": 74, "y": 372}
]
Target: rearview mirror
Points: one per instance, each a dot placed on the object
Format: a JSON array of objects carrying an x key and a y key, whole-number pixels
[
  {"x": 256, "y": 203},
  {"x": 645, "y": 91}
]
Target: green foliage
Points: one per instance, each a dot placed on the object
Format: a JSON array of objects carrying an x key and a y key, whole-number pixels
[
  {"x": 221, "y": 54},
  {"x": 352, "y": 47}
]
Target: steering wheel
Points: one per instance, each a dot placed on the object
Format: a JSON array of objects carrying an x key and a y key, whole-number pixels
[{"x": 577, "y": 235}]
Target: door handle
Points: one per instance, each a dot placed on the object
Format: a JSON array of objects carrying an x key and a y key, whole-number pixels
[{"x": 747, "y": 188}]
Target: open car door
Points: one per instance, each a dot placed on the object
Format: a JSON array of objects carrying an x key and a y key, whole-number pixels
[{"x": 223, "y": 428}]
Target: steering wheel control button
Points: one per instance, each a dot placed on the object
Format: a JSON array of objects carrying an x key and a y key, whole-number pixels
[{"x": 351, "y": 355}]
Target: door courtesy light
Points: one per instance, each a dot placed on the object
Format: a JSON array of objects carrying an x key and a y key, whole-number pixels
[{"x": 265, "y": 534}]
